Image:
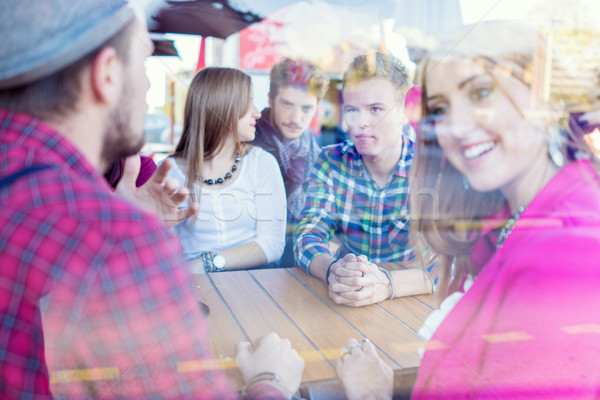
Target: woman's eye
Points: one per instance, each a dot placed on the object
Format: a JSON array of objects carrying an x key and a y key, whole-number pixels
[
  {"x": 437, "y": 110},
  {"x": 481, "y": 93},
  {"x": 375, "y": 109}
]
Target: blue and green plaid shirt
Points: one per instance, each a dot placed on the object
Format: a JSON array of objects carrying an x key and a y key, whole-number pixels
[{"x": 342, "y": 199}]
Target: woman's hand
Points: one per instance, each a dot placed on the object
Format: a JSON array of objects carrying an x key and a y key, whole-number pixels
[{"x": 363, "y": 374}]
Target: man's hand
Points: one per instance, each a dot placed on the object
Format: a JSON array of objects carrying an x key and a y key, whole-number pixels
[
  {"x": 160, "y": 196},
  {"x": 271, "y": 354},
  {"x": 363, "y": 374},
  {"x": 339, "y": 269},
  {"x": 358, "y": 282}
]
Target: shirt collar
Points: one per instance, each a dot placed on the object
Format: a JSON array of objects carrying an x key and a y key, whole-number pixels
[{"x": 402, "y": 169}]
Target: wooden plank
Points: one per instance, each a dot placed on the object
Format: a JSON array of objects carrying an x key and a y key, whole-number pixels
[
  {"x": 394, "y": 334},
  {"x": 224, "y": 333},
  {"x": 409, "y": 310},
  {"x": 428, "y": 299},
  {"x": 326, "y": 329},
  {"x": 330, "y": 325},
  {"x": 258, "y": 314}
]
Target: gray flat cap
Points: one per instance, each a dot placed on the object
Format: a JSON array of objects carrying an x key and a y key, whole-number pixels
[{"x": 40, "y": 38}]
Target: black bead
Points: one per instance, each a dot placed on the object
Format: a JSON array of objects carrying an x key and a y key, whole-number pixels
[
  {"x": 237, "y": 158},
  {"x": 228, "y": 175},
  {"x": 210, "y": 181},
  {"x": 220, "y": 180},
  {"x": 234, "y": 167}
]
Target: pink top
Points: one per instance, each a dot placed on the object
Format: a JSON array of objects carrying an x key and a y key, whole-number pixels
[{"x": 529, "y": 326}]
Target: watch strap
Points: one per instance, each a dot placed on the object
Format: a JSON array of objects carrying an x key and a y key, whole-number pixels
[{"x": 207, "y": 260}]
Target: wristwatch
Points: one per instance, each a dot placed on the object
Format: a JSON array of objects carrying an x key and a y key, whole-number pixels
[
  {"x": 219, "y": 262},
  {"x": 213, "y": 261}
]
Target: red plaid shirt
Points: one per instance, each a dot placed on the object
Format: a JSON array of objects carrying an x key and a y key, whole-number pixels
[{"x": 95, "y": 297}]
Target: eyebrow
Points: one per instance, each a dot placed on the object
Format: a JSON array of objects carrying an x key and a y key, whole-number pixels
[
  {"x": 368, "y": 105},
  {"x": 461, "y": 85},
  {"x": 468, "y": 80},
  {"x": 283, "y": 99},
  {"x": 431, "y": 98}
]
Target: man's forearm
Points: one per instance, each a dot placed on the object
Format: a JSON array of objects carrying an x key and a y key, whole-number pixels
[
  {"x": 411, "y": 282},
  {"x": 319, "y": 264}
]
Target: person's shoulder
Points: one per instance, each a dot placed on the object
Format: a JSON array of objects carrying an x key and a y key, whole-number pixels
[
  {"x": 259, "y": 155},
  {"x": 171, "y": 159},
  {"x": 85, "y": 200},
  {"x": 339, "y": 152}
]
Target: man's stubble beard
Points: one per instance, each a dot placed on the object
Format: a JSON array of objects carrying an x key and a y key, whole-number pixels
[{"x": 121, "y": 139}]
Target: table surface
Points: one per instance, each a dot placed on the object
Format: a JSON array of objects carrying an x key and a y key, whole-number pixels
[{"x": 244, "y": 305}]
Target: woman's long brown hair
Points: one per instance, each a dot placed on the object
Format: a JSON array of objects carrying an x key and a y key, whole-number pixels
[{"x": 217, "y": 99}]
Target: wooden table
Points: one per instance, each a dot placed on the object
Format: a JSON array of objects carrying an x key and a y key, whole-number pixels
[{"x": 245, "y": 305}]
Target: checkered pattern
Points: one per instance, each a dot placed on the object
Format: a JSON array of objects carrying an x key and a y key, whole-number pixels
[
  {"x": 95, "y": 298},
  {"x": 343, "y": 199}
]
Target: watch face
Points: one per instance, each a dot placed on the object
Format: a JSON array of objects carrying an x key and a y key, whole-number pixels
[{"x": 219, "y": 261}]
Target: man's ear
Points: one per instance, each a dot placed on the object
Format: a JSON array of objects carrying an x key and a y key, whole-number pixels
[{"x": 107, "y": 76}]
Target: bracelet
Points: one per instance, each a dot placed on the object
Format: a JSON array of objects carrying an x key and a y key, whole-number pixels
[
  {"x": 207, "y": 260},
  {"x": 389, "y": 276},
  {"x": 329, "y": 272},
  {"x": 264, "y": 376},
  {"x": 433, "y": 284}
]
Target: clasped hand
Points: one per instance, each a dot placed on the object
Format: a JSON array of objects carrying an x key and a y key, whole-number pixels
[{"x": 355, "y": 281}]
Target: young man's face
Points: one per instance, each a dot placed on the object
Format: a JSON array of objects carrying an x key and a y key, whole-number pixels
[
  {"x": 292, "y": 110},
  {"x": 374, "y": 114}
]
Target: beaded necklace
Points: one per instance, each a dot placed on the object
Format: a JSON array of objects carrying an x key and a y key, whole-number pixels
[
  {"x": 508, "y": 227},
  {"x": 227, "y": 175}
]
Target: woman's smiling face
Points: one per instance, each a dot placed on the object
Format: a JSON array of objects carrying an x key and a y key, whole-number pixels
[{"x": 486, "y": 124}]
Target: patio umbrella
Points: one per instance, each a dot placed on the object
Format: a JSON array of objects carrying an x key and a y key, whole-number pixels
[
  {"x": 200, "y": 17},
  {"x": 163, "y": 46}
]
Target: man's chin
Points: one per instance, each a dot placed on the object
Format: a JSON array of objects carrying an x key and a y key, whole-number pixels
[
  {"x": 115, "y": 151},
  {"x": 292, "y": 134},
  {"x": 367, "y": 151}
]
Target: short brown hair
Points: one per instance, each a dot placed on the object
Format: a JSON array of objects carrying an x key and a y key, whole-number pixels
[
  {"x": 58, "y": 94},
  {"x": 298, "y": 73},
  {"x": 378, "y": 65}
]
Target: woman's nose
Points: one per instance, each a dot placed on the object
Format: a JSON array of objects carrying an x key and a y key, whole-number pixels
[
  {"x": 459, "y": 122},
  {"x": 255, "y": 113}
]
